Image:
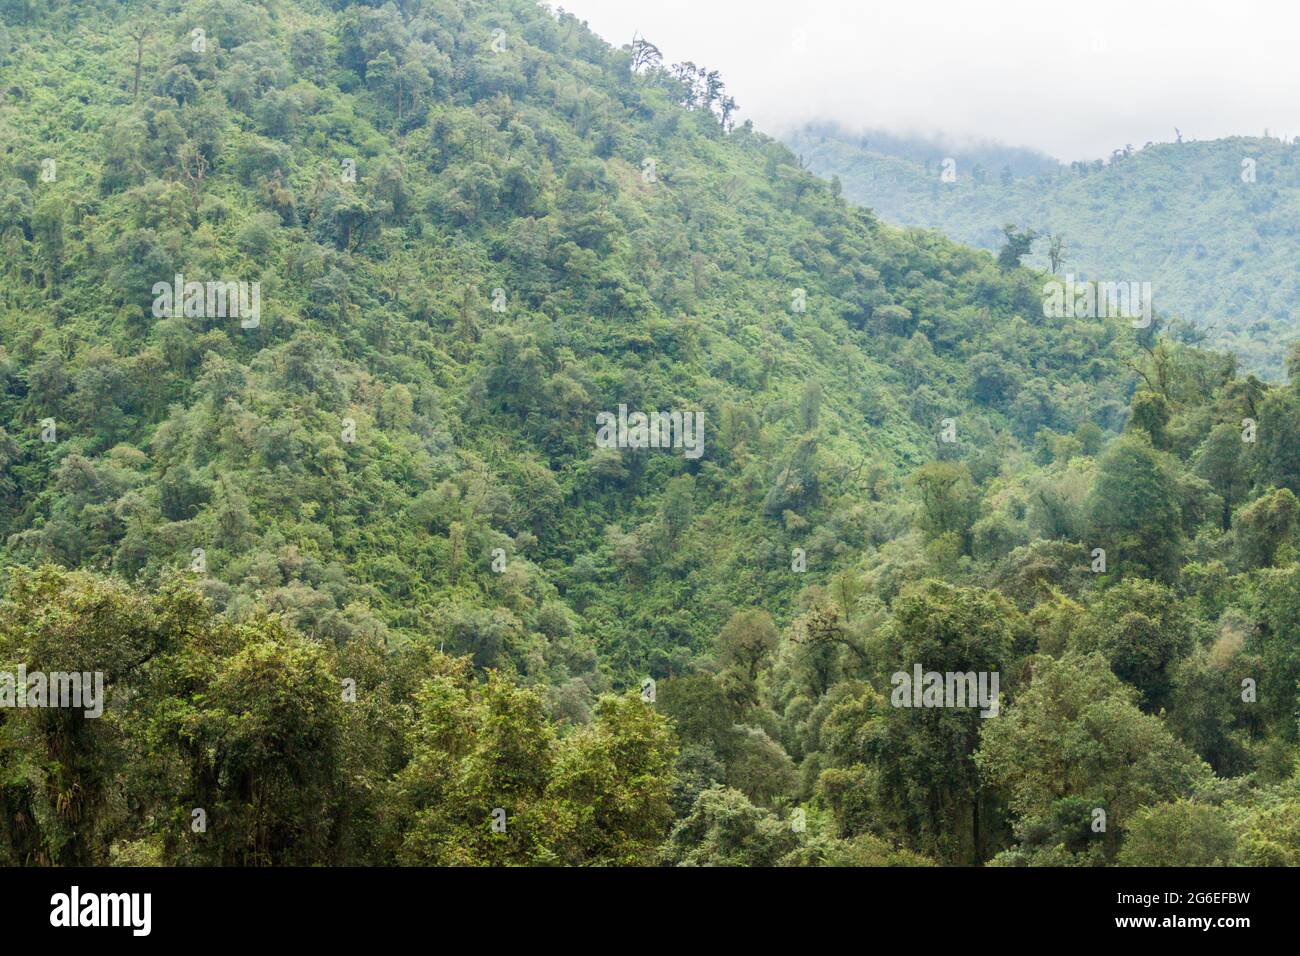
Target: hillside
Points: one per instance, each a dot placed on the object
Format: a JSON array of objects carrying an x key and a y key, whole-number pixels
[
  {"x": 461, "y": 234},
  {"x": 1216, "y": 245}
]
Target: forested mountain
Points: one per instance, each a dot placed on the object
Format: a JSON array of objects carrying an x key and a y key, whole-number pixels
[
  {"x": 1212, "y": 225},
  {"x": 368, "y": 583}
]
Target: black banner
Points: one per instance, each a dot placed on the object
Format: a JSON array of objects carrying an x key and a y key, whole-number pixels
[{"x": 341, "y": 905}]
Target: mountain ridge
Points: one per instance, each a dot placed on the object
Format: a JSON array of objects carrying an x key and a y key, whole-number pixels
[{"x": 1179, "y": 215}]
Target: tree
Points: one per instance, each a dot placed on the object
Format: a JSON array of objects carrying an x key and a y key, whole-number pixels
[
  {"x": 1056, "y": 253},
  {"x": 55, "y": 800},
  {"x": 701, "y": 712},
  {"x": 993, "y": 381},
  {"x": 616, "y": 777},
  {"x": 488, "y": 783},
  {"x": 949, "y": 503},
  {"x": 1076, "y": 731},
  {"x": 923, "y": 776},
  {"x": 810, "y": 401},
  {"x": 1181, "y": 833},
  {"x": 1265, "y": 526},
  {"x": 678, "y": 506},
  {"x": 745, "y": 643},
  {"x": 1277, "y": 458},
  {"x": 1143, "y": 630},
  {"x": 1017, "y": 246},
  {"x": 1133, "y": 509},
  {"x": 1276, "y": 608},
  {"x": 725, "y": 829},
  {"x": 397, "y": 465},
  {"x": 645, "y": 55},
  {"x": 1150, "y": 415},
  {"x": 1064, "y": 836},
  {"x": 1219, "y": 461},
  {"x": 475, "y": 788},
  {"x": 1271, "y": 836},
  {"x": 1207, "y": 711},
  {"x": 261, "y": 738},
  {"x": 139, "y": 31}
]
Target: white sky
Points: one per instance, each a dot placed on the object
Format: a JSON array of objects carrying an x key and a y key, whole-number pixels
[{"x": 1075, "y": 80}]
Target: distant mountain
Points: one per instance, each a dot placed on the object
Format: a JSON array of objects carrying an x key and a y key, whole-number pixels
[
  {"x": 1214, "y": 226},
  {"x": 932, "y": 149}
]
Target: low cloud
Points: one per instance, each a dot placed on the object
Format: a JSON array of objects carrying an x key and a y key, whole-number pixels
[{"x": 1075, "y": 82}]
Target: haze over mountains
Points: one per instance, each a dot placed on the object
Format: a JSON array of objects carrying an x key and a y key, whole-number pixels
[{"x": 1214, "y": 226}]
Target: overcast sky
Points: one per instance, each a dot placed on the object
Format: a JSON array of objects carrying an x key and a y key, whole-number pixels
[{"x": 1075, "y": 80}]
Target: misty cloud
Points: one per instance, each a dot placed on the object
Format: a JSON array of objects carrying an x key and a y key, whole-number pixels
[{"x": 1075, "y": 81}]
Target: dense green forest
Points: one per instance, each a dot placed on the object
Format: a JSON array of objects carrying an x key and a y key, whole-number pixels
[
  {"x": 1210, "y": 224},
  {"x": 365, "y": 587}
]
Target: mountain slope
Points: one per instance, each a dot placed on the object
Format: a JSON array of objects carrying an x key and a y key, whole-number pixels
[
  {"x": 519, "y": 171},
  {"x": 1215, "y": 244}
]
